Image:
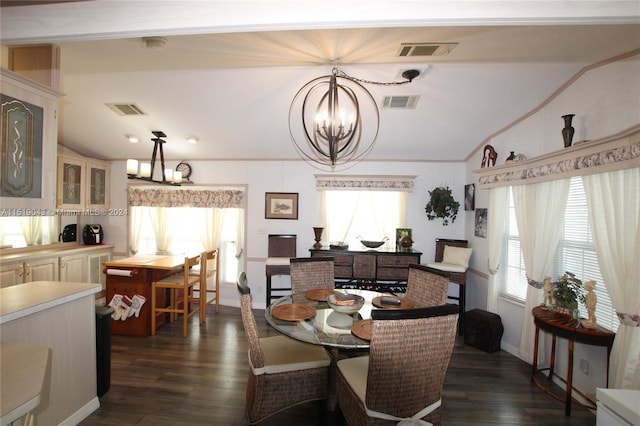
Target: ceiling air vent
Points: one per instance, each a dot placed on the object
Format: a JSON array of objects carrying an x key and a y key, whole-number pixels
[
  {"x": 426, "y": 49},
  {"x": 126, "y": 109},
  {"x": 400, "y": 102}
]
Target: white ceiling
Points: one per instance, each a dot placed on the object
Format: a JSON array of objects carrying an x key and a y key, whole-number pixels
[{"x": 229, "y": 77}]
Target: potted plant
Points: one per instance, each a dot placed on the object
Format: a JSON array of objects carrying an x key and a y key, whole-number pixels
[
  {"x": 567, "y": 291},
  {"x": 442, "y": 205}
]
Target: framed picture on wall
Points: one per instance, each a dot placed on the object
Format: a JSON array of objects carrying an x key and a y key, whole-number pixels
[
  {"x": 281, "y": 205},
  {"x": 470, "y": 197},
  {"x": 481, "y": 223}
]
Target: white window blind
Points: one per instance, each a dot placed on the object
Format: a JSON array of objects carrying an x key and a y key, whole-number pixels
[{"x": 575, "y": 253}]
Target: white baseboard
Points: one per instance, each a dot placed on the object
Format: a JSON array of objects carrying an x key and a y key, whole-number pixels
[{"x": 82, "y": 413}]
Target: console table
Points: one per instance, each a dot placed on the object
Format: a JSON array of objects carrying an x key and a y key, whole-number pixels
[
  {"x": 374, "y": 269},
  {"x": 562, "y": 325}
]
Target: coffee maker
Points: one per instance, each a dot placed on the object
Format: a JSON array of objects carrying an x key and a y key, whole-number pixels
[{"x": 92, "y": 234}]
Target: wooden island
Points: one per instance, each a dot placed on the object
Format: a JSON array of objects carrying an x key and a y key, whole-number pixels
[{"x": 134, "y": 275}]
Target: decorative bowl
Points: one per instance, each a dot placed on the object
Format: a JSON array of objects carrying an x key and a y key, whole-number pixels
[
  {"x": 338, "y": 245},
  {"x": 345, "y": 303},
  {"x": 373, "y": 244}
]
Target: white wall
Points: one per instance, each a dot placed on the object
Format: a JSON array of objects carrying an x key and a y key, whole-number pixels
[
  {"x": 605, "y": 100},
  {"x": 298, "y": 176}
]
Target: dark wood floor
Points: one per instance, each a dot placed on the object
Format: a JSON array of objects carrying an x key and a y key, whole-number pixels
[{"x": 201, "y": 379}]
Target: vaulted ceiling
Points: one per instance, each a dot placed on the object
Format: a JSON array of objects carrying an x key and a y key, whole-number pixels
[{"x": 229, "y": 70}]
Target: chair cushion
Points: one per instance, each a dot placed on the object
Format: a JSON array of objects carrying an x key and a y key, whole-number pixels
[
  {"x": 354, "y": 370},
  {"x": 282, "y": 354},
  {"x": 447, "y": 267},
  {"x": 457, "y": 255},
  {"x": 278, "y": 261}
]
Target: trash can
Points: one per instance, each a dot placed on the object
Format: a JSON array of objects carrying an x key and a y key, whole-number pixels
[{"x": 103, "y": 348}]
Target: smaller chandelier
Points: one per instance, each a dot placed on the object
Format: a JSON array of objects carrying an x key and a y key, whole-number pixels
[
  {"x": 168, "y": 176},
  {"x": 331, "y": 133}
]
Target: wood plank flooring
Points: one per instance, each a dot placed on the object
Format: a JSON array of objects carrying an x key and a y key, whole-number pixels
[{"x": 201, "y": 379}]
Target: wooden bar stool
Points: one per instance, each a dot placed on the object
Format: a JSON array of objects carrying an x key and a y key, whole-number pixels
[{"x": 181, "y": 288}]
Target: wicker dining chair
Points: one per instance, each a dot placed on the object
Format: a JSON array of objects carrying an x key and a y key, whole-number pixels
[
  {"x": 427, "y": 286},
  {"x": 309, "y": 273},
  {"x": 283, "y": 372},
  {"x": 404, "y": 373}
]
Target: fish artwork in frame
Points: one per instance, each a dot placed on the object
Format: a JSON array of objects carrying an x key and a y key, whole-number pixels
[{"x": 281, "y": 205}]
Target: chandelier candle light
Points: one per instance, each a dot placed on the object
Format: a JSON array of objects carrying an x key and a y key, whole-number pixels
[
  {"x": 169, "y": 177},
  {"x": 332, "y": 131}
]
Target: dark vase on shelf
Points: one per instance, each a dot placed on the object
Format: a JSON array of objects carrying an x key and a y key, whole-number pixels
[
  {"x": 510, "y": 158},
  {"x": 318, "y": 236},
  {"x": 567, "y": 132}
]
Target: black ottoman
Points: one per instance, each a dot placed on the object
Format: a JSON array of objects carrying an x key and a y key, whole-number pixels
[{"x": 483, "y": 330}]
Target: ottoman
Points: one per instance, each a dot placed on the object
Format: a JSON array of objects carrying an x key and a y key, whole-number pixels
[{"x": 483, "y": 330}]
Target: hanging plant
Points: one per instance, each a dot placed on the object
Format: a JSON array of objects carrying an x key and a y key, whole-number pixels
[{"x": 442, "y": 205}]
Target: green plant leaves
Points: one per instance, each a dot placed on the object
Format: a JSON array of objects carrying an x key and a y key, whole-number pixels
[{"x": 442, "y": 205}]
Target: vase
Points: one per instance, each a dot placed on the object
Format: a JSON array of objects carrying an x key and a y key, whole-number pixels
[
  {"x": 318, "y": 236},
  {"x": 511, "y": 158},
  {"x": 568, "y": 131}
]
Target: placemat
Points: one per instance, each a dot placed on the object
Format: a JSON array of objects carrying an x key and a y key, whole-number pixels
[
  {"x": 404, "y": 303},
  {"x": 318, "y": 294},
  {"x": 362, "y": 329},
  {"x": 293, "y": 312}
]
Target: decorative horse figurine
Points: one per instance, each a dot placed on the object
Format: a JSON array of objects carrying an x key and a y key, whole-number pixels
[{"x": 489, "y": 156}]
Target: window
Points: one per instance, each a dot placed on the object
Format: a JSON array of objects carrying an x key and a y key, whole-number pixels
[
  {"x": 575, "y": 253},
  {"x": 368, "y": 215},
  {"x": 187, "y": 239}
]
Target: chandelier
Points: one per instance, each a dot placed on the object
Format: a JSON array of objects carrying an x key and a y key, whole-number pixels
[
  {"x": 168, "y": 176},
  {"x": 331, "y": 133}
]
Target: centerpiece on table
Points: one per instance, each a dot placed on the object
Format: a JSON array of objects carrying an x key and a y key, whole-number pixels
[{"x": 564, "y": 294}]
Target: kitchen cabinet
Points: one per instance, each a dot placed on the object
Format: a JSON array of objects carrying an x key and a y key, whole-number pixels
[
  {"x": 83, "y": 183},
  {"x": 73, "y": 267},
  {"x": 27, "y": 271},
  {"x": 94, "y": 268},
  {"x": 69, "y": 263},
  {"x": 28, "y": 177}
]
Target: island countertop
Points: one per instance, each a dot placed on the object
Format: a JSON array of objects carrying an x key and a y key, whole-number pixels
[{"x": 25, "y": 299}]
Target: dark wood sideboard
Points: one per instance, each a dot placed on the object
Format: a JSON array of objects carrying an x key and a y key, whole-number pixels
[{"x": 376, "y": 269}]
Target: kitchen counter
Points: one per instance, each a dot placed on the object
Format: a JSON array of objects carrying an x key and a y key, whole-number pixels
[
  {"x": 60, "y": 316},
  {"x": 33, "y": 253}
]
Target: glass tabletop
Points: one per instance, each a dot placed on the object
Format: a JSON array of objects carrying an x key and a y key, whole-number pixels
[{"x": 327, "y": 327}]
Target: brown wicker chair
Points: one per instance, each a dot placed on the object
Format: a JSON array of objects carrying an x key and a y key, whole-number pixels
[
  {"x": 427, "y": 286},
  {"x": 283, "y": 372},
  {"x": 308, "y": 273},
  {"x": 404, "y": 373}
]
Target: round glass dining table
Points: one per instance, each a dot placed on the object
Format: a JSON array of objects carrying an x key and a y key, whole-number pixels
[{"x": 327, "y": 327}]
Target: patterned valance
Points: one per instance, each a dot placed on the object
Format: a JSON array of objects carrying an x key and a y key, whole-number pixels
[
  {"x": 618, "y": 152},
  {"x": 156, "y": 196},
  {"x": 364, "y": 183}
]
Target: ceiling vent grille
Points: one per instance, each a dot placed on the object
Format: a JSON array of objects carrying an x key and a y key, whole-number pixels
[
  {"x": 426, "y": 49},
  {"x": 126, "y": 109},
  {"x": 400, "y": 102}
]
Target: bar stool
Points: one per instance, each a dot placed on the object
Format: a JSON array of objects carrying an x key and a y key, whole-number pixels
[
  {"x": 452, "y": 256},
  {"x": 181, "y": 288},
  {"x": 281, "y": 248}
]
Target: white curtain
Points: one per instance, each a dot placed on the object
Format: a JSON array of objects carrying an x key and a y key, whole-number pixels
[
  {"x": 31, "y": 229},
  {"x": 539, "y": 212},
  {"x": 136, "y": 215},
  {"x": 370, "y": 215},
  {"x": 52, "y": 227},
  {"x": 161, "y": 220},
  {"x": 210, "y": 237},
  {"x": 614, "y": 208},
  {"x": 239, "y": 236},
  {"x": 498, "y": 206}
]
